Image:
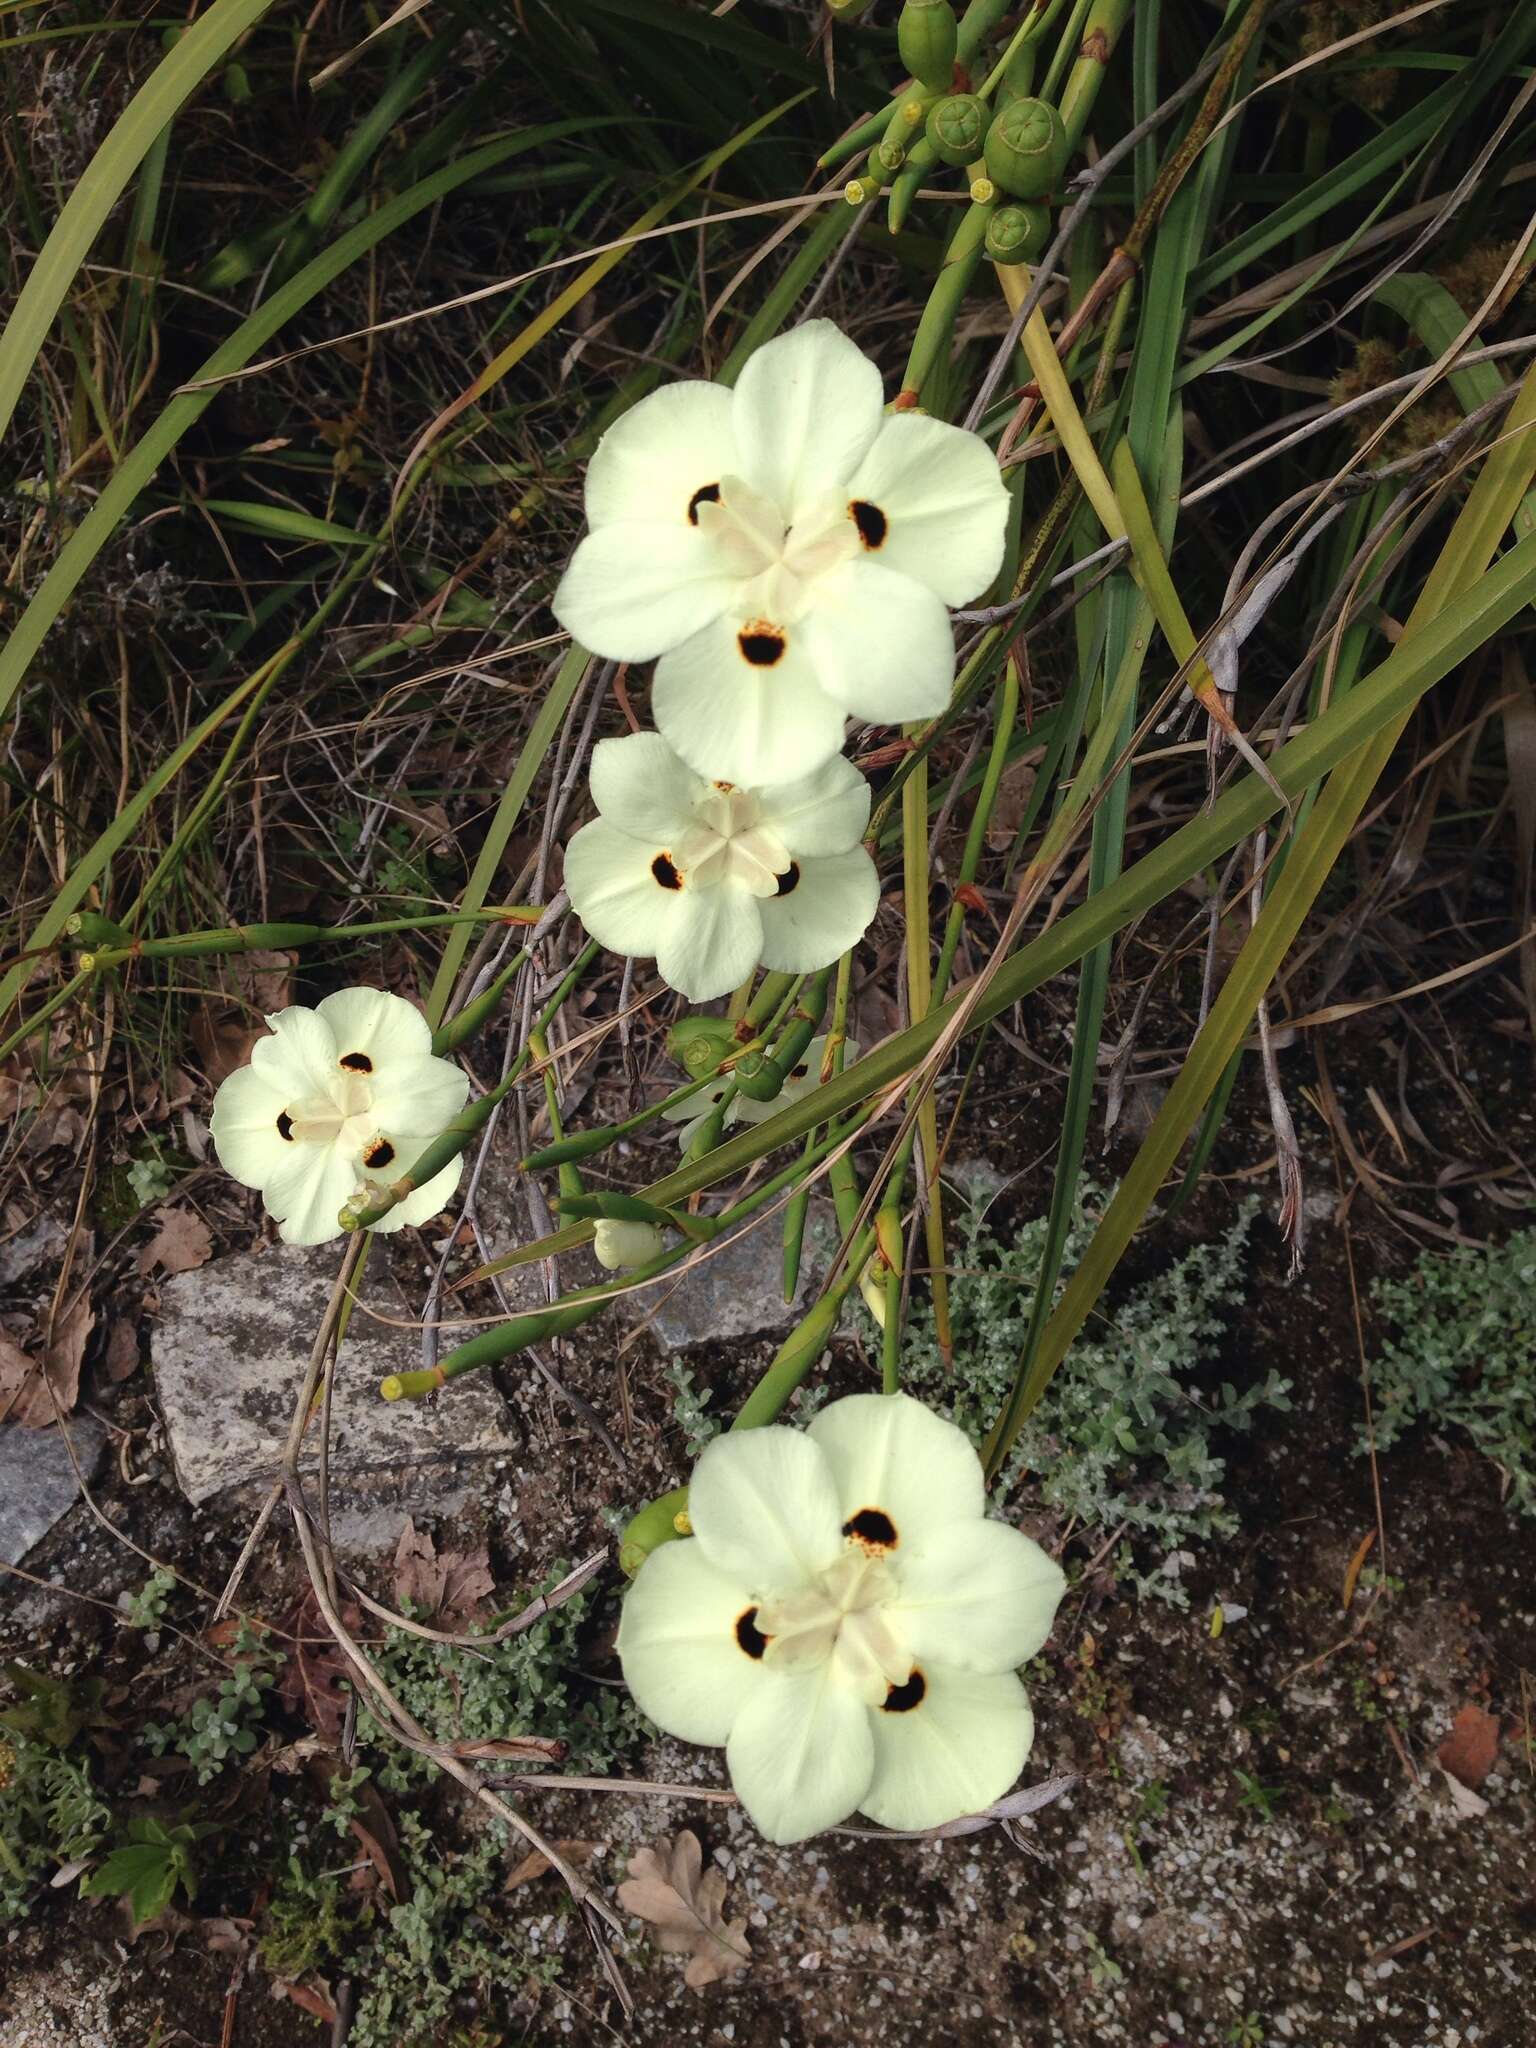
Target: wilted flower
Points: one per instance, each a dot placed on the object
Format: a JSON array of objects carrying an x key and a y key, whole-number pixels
[
  {"x": 339, "y": 1097},
  {"x": 712, "y": 879},
  {"x": 618, "y": 1243},
  {"x": 788, "y": 550},
  {"x": 844, "y": 1621}
]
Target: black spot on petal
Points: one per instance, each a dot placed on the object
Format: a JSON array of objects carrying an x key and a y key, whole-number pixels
[
  {"x": 357, "y": 1063},
  {"x": 871, "y": 521},
  {"x": 872, "y": 1526},
  {"x": 706, "y": 494},
  {"x": 749, "y": 1635},
  {"x": 379, "y": 1153},
  {"x": 666, "y": 874},
  {"x": 789, "y": 881},
  {"x": 761, "y": 644},
  {"x": 285, "y": 1126},
  {"x": 901, "y": 1699}
]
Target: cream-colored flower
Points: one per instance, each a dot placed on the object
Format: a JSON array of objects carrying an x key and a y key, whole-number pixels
[
  {"x": 788, "y": 549},
  {"x": 845, "y": 1621},
  {"x": 341, "y": 1096}
]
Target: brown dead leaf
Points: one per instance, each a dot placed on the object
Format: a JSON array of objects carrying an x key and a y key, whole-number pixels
[
  {"x": 1469, "y": 1752},
  {"x": 228, "y": 1022},
  {"x": 181, "y": 1242},
  {"x": 537, "y": 1864},
  {"x": 665, "y": 1887},
  {"x": 307, "y": 1998},
  {"x": 522, "y": 1749},
  {"x": 316, "y": 1681},
  {"x": 122, "y": 1354},
  {"x": 450, "y": 1585},
  {"x": 25, "y": 1381}
]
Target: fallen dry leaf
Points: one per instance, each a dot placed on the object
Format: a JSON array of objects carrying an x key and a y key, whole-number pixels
[
  {"x": 122, "y": 1354},
  {"x": 521, "y": 1749},
  {"x": 227, "y": 1024},
  {"x": 25, "y": 1381},
  {"x": 181, "y": 1242},
  {"x": 315, "y": 2002},
  {"x": 450, "y": 1584},
  {"x": 665, "y": 1887},
  {"x": 537, "y": 1864},
  {"x": 316, "y": 1680},
  {"x": 1471, "y": 1748},
  {"x": 1468, "y": 1805}
]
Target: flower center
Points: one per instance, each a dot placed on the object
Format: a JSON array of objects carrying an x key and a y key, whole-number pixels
[
  {"x": 778, "y": 564},
  {"x": 728, "y": 843},
  {"x": 842, "y": 1615},
  {"x": 343, "y": 1119}
]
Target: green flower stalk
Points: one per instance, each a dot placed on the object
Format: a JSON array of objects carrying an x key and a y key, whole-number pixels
[
  {"x": 927, "y": 36},
  {"x": 922, "y": 157},
  {"x": 938, "y": 317},
  {"x": 767, "y": 1076},
  {"x": 1026, "y": 149}
]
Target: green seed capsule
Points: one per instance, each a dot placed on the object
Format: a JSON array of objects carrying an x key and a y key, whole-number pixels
[
  {"x": 699, "y": 1044},
  {"x": 957, "y": 127},
  {"x": 926, "y": 35},
  {"x": 1026, "y": 149},
  {"x": 1017, "y": 234}
]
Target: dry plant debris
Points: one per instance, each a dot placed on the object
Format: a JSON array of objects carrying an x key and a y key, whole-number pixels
[{"x": 669, "y": 1889}]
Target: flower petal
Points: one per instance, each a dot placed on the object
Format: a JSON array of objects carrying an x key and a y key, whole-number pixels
[
  {"x": 633, "y": 590},
  {"x": 245, "y": 1127},
  {"x": 943, "y": 503},
  {"x": 962, "y": 1746},
  {"x": 741, "y": 721},
  {"x": 429, "y": 1200},
  {"x": 826, "y": 908},
  {"x": 713, "y": 943},
  {"x": 416, "y": 1102},
  {"x": 308, "y": 1193},
  {"x": 890, "y": 1453},
  {"x": 977, "y": 1596},
  {"x": 652, "y": 463},
  {"x": 641, "y": 786},
  {"x": 823, "y": 812},
  {"x": 764, "y": 1509},
  {"x": 381, "y": 1027},
  {"x": 801, "y": 1752},
  {"x": 880, "y": 644},
  {"x": 678, "y": 1643},
  {"x": 614, "y": 890},
  {"x": 808, "y": 407},
  {"x": 300, "y": 1057}
]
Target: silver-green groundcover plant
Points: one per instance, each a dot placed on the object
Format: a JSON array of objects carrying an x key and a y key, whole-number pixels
[{"x": 845, "y": 1621}]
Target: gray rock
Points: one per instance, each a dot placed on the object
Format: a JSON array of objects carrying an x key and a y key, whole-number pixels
[
  {"x": 37, "y": 1479},
  {"x": 739, "y": 1292},
  {"x": 229, "y": 1351}
]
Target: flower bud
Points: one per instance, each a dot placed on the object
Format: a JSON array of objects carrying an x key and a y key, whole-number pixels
[
  {"x": 1026, "y": 149},
  {"x": 619, "y": 1245},
  {"x": 846, "y": 10},
  {"x": 1017, "y": 234},
  {"x": 699, "y": 1044},
  {"x": 926, "y": 34},
  {"x": 957, "y": 127}
]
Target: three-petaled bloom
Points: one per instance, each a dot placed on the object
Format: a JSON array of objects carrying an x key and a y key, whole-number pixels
[
  {"x": 713, "y": 880},
  {"x": 339, "y": 1098},
  {"x": 788, "y": 550},
  {"x": 844, "y": 1621}
]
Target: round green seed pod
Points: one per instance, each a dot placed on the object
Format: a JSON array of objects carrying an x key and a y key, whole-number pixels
[
  {"x": 1017, "y": 234},
  {"x": 699, "y": 1044},
  {"x": 957, "y": 127},
  {"x": 926, "y": 35},
  {"x": 1026, "y": 149}
]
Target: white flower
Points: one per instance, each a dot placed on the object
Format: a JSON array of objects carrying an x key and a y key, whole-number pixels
[
  {"x": 712, "y": 879},
  {"x": 845, "y": 1621},
  {"x": 745, "y": 1109},
  {"x": 344, "y": 1095},
  {"x": 788, "y": 550},
  {"x": 617, "y": 1244}
]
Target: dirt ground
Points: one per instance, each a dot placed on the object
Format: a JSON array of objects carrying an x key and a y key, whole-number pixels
[{"x": 1163, "y": 1901}]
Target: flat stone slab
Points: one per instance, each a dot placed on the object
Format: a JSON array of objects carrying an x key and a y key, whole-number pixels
[
  {"x": 738, "y": 1293},
  {"x": 37, "y": 1480},
  {"x": 229, "y": 1351}
]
